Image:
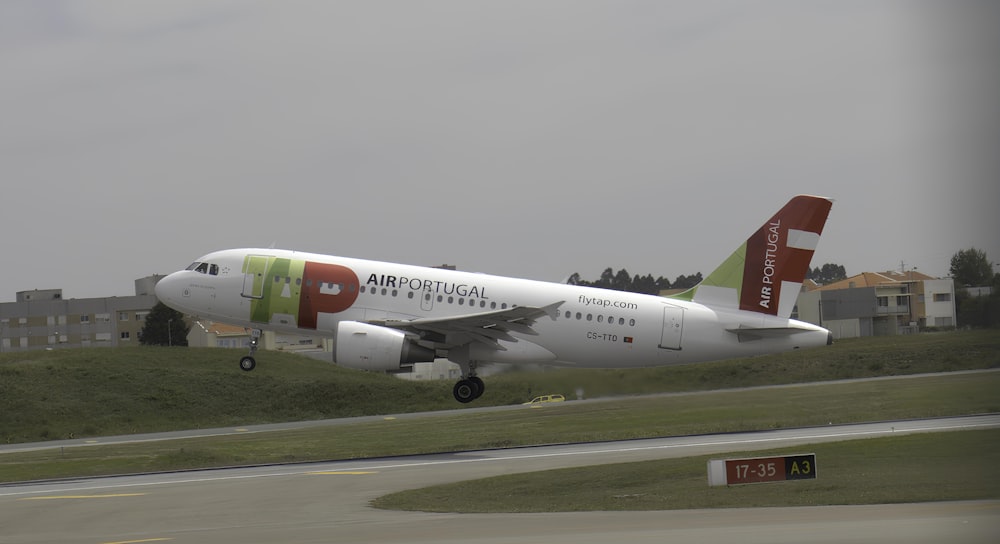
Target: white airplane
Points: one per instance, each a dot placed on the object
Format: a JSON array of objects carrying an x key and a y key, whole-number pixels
[{"x": 386, "y": 316}]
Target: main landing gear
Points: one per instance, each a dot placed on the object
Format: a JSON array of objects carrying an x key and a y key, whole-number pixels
[
  {"x": 470, "y": 388},
  {"x": 248, "y": 363}
]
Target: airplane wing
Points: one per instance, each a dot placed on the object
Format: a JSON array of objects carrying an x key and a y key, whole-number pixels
[{"x": 486, "y": 328}]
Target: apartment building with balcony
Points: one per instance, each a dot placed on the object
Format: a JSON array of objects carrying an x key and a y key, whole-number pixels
[{"x": 880, "y": 304}]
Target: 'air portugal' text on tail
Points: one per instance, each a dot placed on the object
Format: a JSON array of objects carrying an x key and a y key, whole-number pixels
[{"x": 765, "y": 274}]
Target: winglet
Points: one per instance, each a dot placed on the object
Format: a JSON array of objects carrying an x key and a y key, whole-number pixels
[{"x": 765, "y": 274}]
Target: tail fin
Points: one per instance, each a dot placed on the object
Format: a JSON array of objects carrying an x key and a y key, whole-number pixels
[{"x": 765, "y": 273}]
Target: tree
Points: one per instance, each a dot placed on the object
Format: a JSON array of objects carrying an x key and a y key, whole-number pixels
[
  {"x": 827, "y": 274},
  {"x": 164, "y": 327},
  {"x": 644, "y": 284},
  {"x": 662, "y": 284},
  {"x": 687, "y": 282},
  {"x": 606, "y": 280},
  {"x": 622, "y": 281},
  {"x": 971, "y": 268}
]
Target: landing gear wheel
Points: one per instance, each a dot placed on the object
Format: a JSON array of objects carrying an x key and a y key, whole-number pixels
[
  {"x": 466, "y": 391},
  {"x": 480, "y": 385},
  {"x": 248, "y": 363}
]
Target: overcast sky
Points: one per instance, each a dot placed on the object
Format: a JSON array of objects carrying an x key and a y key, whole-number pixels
[{"x": 526, "y": 138}]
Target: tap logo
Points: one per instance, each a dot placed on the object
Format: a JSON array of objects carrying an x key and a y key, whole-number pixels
[
  {"x": 297, "y": 289},
  {"x": 327, "y": 288}
]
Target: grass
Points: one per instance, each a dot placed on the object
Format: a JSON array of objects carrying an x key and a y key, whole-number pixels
[
  {"x": 913, "y": 468},
  {"x": 99, "y": 392},
  {"x": 616, "y": 419},
  {"x": 49, "y": 395}
]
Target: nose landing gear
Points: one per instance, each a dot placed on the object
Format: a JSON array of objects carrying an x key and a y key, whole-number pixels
[{"x": 248, "y": 363}]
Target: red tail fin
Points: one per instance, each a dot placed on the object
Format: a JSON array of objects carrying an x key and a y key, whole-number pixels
[{"x": 765, "y": 273}]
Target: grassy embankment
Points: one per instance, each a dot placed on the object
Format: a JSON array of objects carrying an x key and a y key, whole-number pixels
[
  {"x": 640, "y": 417},
  {"x": 47, "y": 395}
]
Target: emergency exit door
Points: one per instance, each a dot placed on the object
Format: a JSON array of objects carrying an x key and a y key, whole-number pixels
[{"x": 673, "y": 327}]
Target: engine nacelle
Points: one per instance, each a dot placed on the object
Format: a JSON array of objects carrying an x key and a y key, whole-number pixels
[{"x": 370, "y": 347}]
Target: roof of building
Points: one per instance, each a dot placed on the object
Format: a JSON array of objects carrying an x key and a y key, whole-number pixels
[
  {"x": 810, "y": 285},
  {"x": 876, "y": 279}
]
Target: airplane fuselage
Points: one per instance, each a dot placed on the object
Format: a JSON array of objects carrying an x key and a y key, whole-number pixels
[
  {"x": 386, "y": 317},
  {"x": 310, "y": 293}
]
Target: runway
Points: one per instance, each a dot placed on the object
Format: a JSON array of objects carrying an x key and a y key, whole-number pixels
[{"x": 328, "y": 502}]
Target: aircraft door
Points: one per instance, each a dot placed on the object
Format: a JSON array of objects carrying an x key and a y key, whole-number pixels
[
  {"x": 254, "y": 269},
  {"x": 673, "y": 327}
]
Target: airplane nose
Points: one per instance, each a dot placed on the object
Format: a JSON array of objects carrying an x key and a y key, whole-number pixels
[{"x": 167, "y": 290}]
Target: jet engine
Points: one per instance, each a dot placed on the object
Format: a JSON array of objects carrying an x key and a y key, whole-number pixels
[{"x": 370, "y": 347}]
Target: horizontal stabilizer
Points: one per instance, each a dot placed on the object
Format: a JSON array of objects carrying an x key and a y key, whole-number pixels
[{"x": 747, "y": 334}]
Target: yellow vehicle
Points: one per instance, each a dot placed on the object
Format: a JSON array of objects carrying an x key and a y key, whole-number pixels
[{"x": 546, "y": 398}]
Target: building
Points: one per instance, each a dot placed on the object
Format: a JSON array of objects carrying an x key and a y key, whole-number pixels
[
  {"x": 879, "y": 304},
  {"x": 212, "y": 334},
  {"x": 43, "y": 319}
]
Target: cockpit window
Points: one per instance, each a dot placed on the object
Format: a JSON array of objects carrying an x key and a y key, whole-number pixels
[{"x": 205, "y": 268}]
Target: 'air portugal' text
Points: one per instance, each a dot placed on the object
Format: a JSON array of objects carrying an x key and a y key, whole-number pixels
[{"x": 770, "y": 253}]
